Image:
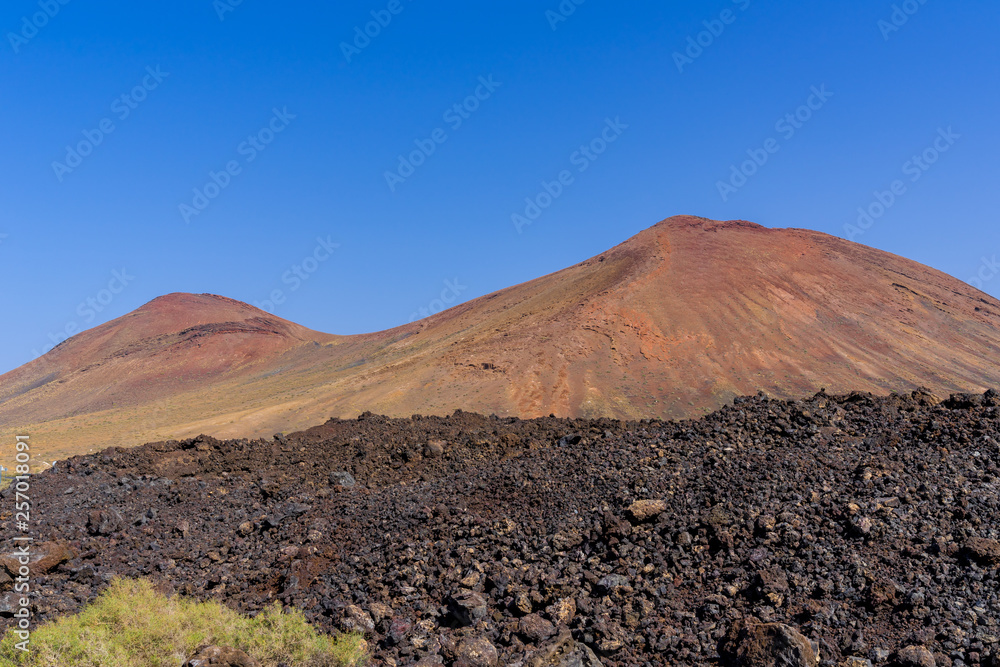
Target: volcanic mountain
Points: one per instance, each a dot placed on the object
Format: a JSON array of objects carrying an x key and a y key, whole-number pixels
[{"x": 672, "y": 323}]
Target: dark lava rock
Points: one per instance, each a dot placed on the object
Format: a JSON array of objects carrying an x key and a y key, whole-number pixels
[
  {"x": 564, "y": 652},
  {"x": 293, "y": 509},
  {"x": 985, "y": 552},
  {"x": 467, "y": 607},
  {"x": 399, "y": 628},
  {"x": 535, "y": 629},
  {"x": 105, "y": 522},
  {"x": 9, "y": 603},
  {"x": 611, "y": 582},
  {"x": 476, "y": 652},
  {"x": 343, "y": 479},
  {"x": 770, "y": 584},
  {"x": 506, "y": 536},
  {"x": 749, "y": 644}
]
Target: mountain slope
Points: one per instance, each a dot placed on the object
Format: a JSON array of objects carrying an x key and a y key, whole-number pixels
[{"x": 671, "y": 323}]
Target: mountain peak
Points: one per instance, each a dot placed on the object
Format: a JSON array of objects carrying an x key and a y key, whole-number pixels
[
  {"x": 697, "y": 222},
  {"x": 192, "y": 304},
  {"x": 670, "y": 323}
]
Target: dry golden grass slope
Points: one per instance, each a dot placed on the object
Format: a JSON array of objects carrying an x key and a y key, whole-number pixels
[{"x": 671, "y": 323}]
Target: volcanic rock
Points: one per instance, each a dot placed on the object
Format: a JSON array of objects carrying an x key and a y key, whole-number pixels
[
  {"x": 983, "y": 551},
  {"x": 749, "y": 644},
  {"x": 562, "y": 611},
  {"x": 476, "y": 652},
  {"x": 434, "y": 449},
  {"x": 507, "y": 525},
  {"x": 357, "y": 620},
  {"x": 915, "y": 656},
  {"x": 105, "y": 522},
  {"x": 342, "y": 478},
  {"x": 9, "y": 603},
  {"x": 42, "y": 559},
  {"x": 644, "y": 510},
  {"x": 535, "y": 629},
  {"x": 467, "y": 607},
  {"x": 564, "y": 652}
]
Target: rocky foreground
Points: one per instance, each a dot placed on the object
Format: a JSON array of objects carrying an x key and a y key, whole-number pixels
[{"x": 833, "y": 530}]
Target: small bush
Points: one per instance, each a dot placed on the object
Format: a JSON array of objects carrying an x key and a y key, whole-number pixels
[{"x": 132, "y": 625}]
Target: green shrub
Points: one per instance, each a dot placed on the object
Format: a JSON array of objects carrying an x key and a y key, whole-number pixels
[{"x": 132, "y": 625}]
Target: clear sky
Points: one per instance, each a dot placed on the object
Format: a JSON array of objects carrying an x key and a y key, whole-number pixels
[{"x": 247, "y": 147}]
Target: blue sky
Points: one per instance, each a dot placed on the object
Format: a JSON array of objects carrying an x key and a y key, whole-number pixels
[{"x": 250, "y": 143}]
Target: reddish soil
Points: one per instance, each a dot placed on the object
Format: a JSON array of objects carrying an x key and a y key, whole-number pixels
[{"x": 672, "y": 323}]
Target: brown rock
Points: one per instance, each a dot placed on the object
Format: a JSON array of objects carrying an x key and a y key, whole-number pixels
[
  {"x": 429, "y": 661},
  {"x": 562, "y": 611},
  {"x": 855, "y": 661},
  {"x": 766, "y": 523},
  {"x": 861, "y": 525},
  {"x": 476, "y": 652},
  {"x": 566, "y": 540},
  {"x": 105, "y": 522},
  {"x": 522, "y": 603},
  {"x": 923, "y": 396},
  {"x": 467, "y": 607},
  {"x": 770, "y": 581},
  {"x": 535, "y": 629},
  {"x": 882, "y": 592},
  {"x": 718, "y": 517},
  {"x": 42, "y": 558},
  {"x": 748, "y": 644},
  {"x": 983, "y": 551},
  {"x": 564, "y": 652},
  {"x": 915, "y": 656},
  {"x": 219, "y": 656},
  {"x": 379, "y": 612},
  {"x": 434, "y": 449},
  {"x": 357, "y": 620},
  {"x": 644, "y": 510}
]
